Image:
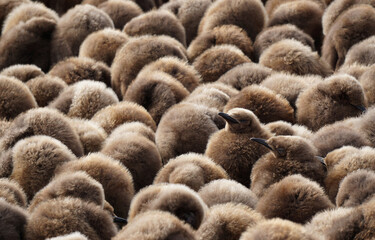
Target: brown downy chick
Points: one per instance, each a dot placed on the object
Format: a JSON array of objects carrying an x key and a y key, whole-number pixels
[
  {"x": 6, "y": 163},
  {"x": 13, "y": 221},
  {"x": 232, "y": 147},
  {"x": 12, "y": 192},
  {"x": 367, "y": 82},
  {"x": 289, "y": 155},
  {"x": 23, "y": 72},
  {"x": 356, "y": 70},
  {"x": 366, "y": 126},
  {"x": 228, "y": 221},
  {"x": 294, "y": 198},
  {"x": 225, "y": 88},
  {"x": 137, "y": 53},
  {"x": 208, "y": 96},
  {"x": 266, "y": 104},
  {"x": 282, "y": 128},
  {"x": 272, "y": 5},
  {"x": 337, "y": 97},
  {"x": 7, "y": 6},
  {"x": 227, "y": 191},
  {"x": 339, "y": 154},
  {"x": 217, "y": 60},
  {"x": 102, "y": 45},
  {"x": 192, "y": 169},
  {"x": 133, "y": 127},
  {"x": 362, "y": 53},
  {"x": 177, "y": 199}
]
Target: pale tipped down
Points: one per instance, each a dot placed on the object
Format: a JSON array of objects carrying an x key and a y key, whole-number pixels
[
  {"x": 356, "y": 70},
  {"x": 7, "y": 6},
  {"x": 13, "y": 221},
  {"x": 23, "y": 72},
  {"x": 367, "y": 82},
  {"x": 282, "y": 128},
  {"x": 208, "y": 96},
  {"x": 133, "y": 127},
  {"x": 362, "y": 52},
  {"x": 71, "y": 236},
  {"x": 12, "y": 192}
]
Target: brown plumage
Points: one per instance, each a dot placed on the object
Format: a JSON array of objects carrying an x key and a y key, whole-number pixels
[
  {"x": 227, "y": 191},
  {"x": 13, "y": 221},
  {"x": 266, "y": 104},
  {"x": 225, "y": 88},
  {"x": 337, "y": 97},
  {"x": 193, "y": 170},
  {"x": 71, "y": 236},
  {"x": 6, "y": 163},
  {"x": 137, "y": 53},
  {"x": 272, "y": 5},
  {"x": 217, "y": 60},
  {"x": 102, "y": 45},
  {"x": 367, "y": 82},
  {"x": 12, "y": 192},
  {"x": 208, "y": 96},
  {"x": 362, "y": 52},
  {"x": 292, "y": 56},
  {"x": 356, "y": 70},
  {"x": 339, "y": 154},
  {"x": 7, "y": 6},
  {"x": 289, "y": 155},
  {"x": 133, "y": 127},
  {"x": 282, "y": 128},
  {"x": 15, "y": 97},
  {"x": 366, "y": 125},
  {"x": 23, "y": 72},
  {"x": 177, "y": 199}
]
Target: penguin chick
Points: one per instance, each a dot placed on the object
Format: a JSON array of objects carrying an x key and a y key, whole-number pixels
[
  {"x": 61, "y": 216},
  {"x": 266, "y": 104},
  {"x": 235, "y": 12},
  {"x": 282, "y": 128},
  {"x": 356, "y": 70},
  {"x": 75, "y": 184},
  {"x": 13, "y": 221},
  {"x": 156, "y": 22},
  {"x": 217, "y": 60},
  {"x": 228, "y": 221},
  {"x": 337, "y": 97},
  {"x": 177, "y": 199},
  {"x": 148, "y": 226},
  {"x": 35, "y": 160},
  {"x": 184, "y": 128},
  {"x": 12, "y": 192},
  {"x": 232, "y": 148},
  {"x": 42, "y": 121},
  {"x": 224, "y": 34},
  {"x": 71, "y": 236},
  {"x": 133, "y": 127},
  {"x": 7, "y": 6},
  {"x": 116, "y": 179},
  {"x": 351, "y": 27},
  {"x": 294, "y": 198},
  {"x": 273, "y": 34},
  {"x": 245, "y": 75},
  {"x": 292, "y": 56},
  {"x": 356, "y": 188},
  {"x": 223, "y": 191},
  {"x": 6, "y": 163},
  {"x": 366, "y": 126},
  {"x": 15, "y": 97},
  {"x": 272, "y": 5},
  {"x": 362, "y": 52},
  {"x": 156, "y": 91},
  {"x": 289, "y": 155},
  {"x": 225, "y": 88},
  {"x": 137, "y": 53},
  {"x": 23, "y": 72},
  {"x": 76, "y": 69},
  {"x": 335, "y": 156},
  {"x": 114, "y": 115},
  {"x": 84, "y": 99},
  {"x": 121, "y": 12},
  {"x": 4, "y": 124},
  {"x": 73, "y": 27},
  {"x": 192, "y": 169},
  {"x": 102, "y": 45},
  {"x": 210, "y": 97},
  {"x": 367, "y": 82}
]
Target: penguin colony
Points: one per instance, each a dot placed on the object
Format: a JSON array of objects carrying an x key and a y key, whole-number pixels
[{"x": 187, "y": 119}]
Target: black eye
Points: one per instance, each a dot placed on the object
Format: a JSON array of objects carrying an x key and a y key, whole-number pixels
[{"x": 281, "y": 151}]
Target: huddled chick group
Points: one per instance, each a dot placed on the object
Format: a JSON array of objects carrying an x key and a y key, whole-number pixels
[{"x": 187, "y": 119}]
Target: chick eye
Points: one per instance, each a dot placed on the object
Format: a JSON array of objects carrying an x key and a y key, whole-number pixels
[{"x": 281, "y": 151}]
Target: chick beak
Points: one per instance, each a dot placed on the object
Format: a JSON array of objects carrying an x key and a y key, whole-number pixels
[
  {"x": 261, "y": 141},
  {"x": 228, "y": 118},
  {"x": 359, "y": 107},
  {"x": 120, "y": 220},
  {"x": 321, "y": 159}
]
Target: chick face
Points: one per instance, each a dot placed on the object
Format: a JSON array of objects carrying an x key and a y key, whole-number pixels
[{"x": 240, "y": 120}]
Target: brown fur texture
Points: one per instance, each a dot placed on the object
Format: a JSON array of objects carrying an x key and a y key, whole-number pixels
[
  {"x": 356, "y": 70},
  {"x": 148, "y": 226},
  {"x": 184, "y": 128},
  {"x": 217, "y": 60},
  {"x": 351, "y": 27},
  {"x": 156, "y": 91},
  {"x": 15, "y": 97},
  {"x": 235, "y": 12},
  {"x": 13, "y": 221},
  {"x": 6, "y": 163},
  {"x": 272, "y": 5},
  {"x": 228, "y": 221},
  {"x": 177, "y": 68},
  {"x": 84, "y": 99},
  {"x": 282, "y": 128},
  {"x": 227, "y": 191},
  {"x": 112, "y": 116},
  {"x": 136, "y": 153},
  {"x": 339, "y": 154},
  {"x": 121, "y": 12},
  {"x": 367, "y": 82},
  {"x": 116, "y": 179},
  {"x": 102, "y": 45},
  {"x": 232, "y": 148},
  {"x": 137, "y": 53},
  {"x": 76, "y": 69},
  {"x": 362, "y": 52},
  {"x": 208, "y": 96},
  {"x": 4, "y": 124},
  {"x": 266, "y": 104},
  {"x": 276, "y": 33},
  {"x": 177, "y": 199},
  {"x": 192, "y": 169},
  {"x": 294, "y": 198},
  {"x": 7, "y": 6},
  {"x": 290, "y": 155},
  {"x": 42, "y": 121},
  {"x": 23, "y": 72},
  {"x": 56, "y": 217},
  {"x": 133, "y": 127},
  {"x": 292, "y": 56},
  {"x": 331, "y": 100},
  {"x": 75, "y": 184},
  {"x": 12, "y": 192},
  {"x": 224, "y": 34},
  {"x": 230, "y": 91},
  {"x": 366, "y": 126},
  {"x": 71, "y": 236}
]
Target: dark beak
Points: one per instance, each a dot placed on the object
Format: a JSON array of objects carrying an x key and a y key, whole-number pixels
[
  {"x": 321, "y": 159},
  {"x": 120, "y": 220},
  {"x": 359, "y": 107},
  {"x": 261, "y": 141},
  {"x": 228, "y": 118}
]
